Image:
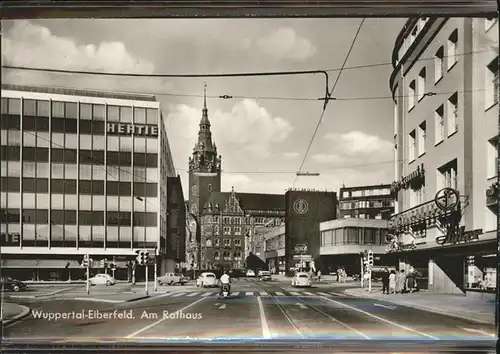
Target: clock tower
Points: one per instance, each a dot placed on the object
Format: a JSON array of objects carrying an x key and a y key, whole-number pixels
[{"x": 204, "y": 165}]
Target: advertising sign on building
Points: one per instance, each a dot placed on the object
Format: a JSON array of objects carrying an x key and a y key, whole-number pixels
[{"x": 133, "y": 129}]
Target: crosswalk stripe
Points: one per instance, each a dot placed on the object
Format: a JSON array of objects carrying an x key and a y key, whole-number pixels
[
  {"x": 179, "y": 294},
  {"x": 294, "y": 293},
  {"x": 263, "y": 293},
  {"x": 249, "y": 293},
  {"x": 308, "y": 293},
  {"x": 193, "y": 294},
  {"x": 279, "y": 294},
  {"x": 235, "y": 294},
  {"x": 207, "y": 294},
  {"x": 324, "y": 294}
]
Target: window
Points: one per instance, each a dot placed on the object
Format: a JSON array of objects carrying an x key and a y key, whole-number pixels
[
  {"x": 447, "y": 175},
  {"x": 452, "y": 114},
  {"x": 452, "y": 49},
  {"x": 237, "y": 230},
  {"x": 422, "y": 133},
  {"x": 421, "y": 84},
  {"x": 216, "y": 256},
  {"x": 209, "y": 243},
  {"x": 490, "y": 22},
  {"x": 439, "y": 125},
  {"x": 217, "y": 242},
  {"x": 226, "y": 220},
  {"x": 237, "y": 243},
  {"x": 227, "y": 256},
  {"x": 227, "y": 242},
  {"x": 216, "y": 229},
  {"x": 492, "y": 158},
  {"x": 227, "y": 230},
  {"x": 492, "y": 82},
  {"x": 439, "y": 64},
  {"x": 411, "y": 95},
  {"x": 411, "y": 146}
]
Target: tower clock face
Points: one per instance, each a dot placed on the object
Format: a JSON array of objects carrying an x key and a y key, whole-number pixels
[{"x": 195, "y": 190}]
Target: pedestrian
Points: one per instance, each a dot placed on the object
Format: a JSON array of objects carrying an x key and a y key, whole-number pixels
[
  {"x": 385, "y": 281},
  {"x": 392, "y": 282},
  {"x": 411, "y": 282},
  {"x": 338, "y": 275},
  {"x": 401, "y": 282},
  {"x": 366, "y": 278},
  {"x": 319, "y": 275}
]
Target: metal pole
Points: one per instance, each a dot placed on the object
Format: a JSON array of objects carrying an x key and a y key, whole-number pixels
[
  {"x": 133, "y": 274},
  {"x": 370, "y": 281},
  {"x": 113, "y": 272},
  {"x": 146, "y": 286},
  {"x": 362, "y": 274},
  {"x": 88, "y": 278},
  {"x": 156, "y": 275}
]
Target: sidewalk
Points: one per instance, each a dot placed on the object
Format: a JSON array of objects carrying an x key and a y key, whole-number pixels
[
  {"x": 463, "y": 307},
  {"x": 14, "y": 312}
]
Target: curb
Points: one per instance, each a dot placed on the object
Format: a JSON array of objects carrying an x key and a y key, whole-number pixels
[
  {"x": 98, "y": 300},
  {"x": 25, "y": 313},
  {"x": 140, "y": 298},
  {"x": 429, "y": 309},
  {"x": 37, "y": 296}
]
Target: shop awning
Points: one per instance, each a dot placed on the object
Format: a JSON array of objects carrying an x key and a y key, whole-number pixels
[
  {"x": 74, "y": 265},
  {"x": 52, "y": 263},
  {"x": 18, "y": 263}
]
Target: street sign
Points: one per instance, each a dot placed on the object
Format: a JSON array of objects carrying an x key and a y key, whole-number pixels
[
  {"x": 305, "y": 257},
  {"x": 300, "y": 248}
]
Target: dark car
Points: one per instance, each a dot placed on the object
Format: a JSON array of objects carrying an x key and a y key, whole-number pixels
[{"x": 13, "y": 285}]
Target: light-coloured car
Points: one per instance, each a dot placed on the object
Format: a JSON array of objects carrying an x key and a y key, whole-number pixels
[
  {"x": 172, "y": 278},
  {"x": 301, "y": 279},
  {"x": 264, "y": 275},
  {"x": 102, "y": 279},
  {"x": 250, "y": 273},
  {"x": 206, "y": 280}
]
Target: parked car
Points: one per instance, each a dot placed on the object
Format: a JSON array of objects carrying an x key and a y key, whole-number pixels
[
  {"x": 102, "y": 279},
  {"x": 8, "y": 283},
  {"x": 173, "y": 278},
  {"x": 264, "y": 275},
  {"x": 250, "y": 273},
  {"x": 206, "y": 279},
  {"x": 301, "y": 279}
]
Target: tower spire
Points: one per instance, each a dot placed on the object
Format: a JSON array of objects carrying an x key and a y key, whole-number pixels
[{"x": 205, "y": 96}]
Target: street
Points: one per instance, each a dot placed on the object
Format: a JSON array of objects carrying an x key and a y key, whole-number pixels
[{"x": 255, "y": 311}]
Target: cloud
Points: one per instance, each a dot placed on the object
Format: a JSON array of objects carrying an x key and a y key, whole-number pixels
[
  {"x": 328, "y": 158},
  {"x": 31, "y": 45},
  {"x": 291, "y": 155},
  {"x": 284, "y": 43},
  {"x": 246, "y": 129}
]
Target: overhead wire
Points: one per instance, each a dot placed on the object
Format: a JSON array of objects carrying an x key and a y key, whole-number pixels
[{"x": 327, "y": 100}]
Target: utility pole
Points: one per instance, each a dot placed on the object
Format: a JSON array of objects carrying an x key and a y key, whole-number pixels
[{"x": 362, "y": 271}]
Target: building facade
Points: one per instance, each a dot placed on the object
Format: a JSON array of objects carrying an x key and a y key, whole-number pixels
[
  {"x": 82, "y": 172},
  {"x": 343, "y": 240},
  {"x": 366, "y": 202},
  {"x": 445, "y": 90},
  {"x": 222, "y": 225}
]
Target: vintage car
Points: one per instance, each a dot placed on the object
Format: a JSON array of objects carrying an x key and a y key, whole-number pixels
[
  {"x": 301, "y": 279},
  {"x": 172, "y": 279},
  {"x": 206, "y": 279}
]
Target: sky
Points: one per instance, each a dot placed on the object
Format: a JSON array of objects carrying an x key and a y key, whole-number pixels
[{"x": 262, "y": 139}]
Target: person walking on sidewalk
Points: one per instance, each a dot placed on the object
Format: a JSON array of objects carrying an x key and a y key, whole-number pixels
[
  {"x": 392, "y": 282},
  {"x": 385, "y": 281},
  {"x": 319, "y": 275},
  {"x": 401, "y": 282}
]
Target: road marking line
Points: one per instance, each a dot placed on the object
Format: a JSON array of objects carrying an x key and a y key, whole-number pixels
[
  {"x": 294, "y": 293},
  {"x": 179, "y": 294},
  {"x": 249, "y": 293},
  {"x": 477, "y": 331},
  {"x": 337, "y": 294},
  {"x": 288, "y": 318},
  {"x": 324, "y": 294},
  {"x": 263, "y": 293},
  {"x": 98, "y": 300},
  {"x": 381, "y": 319},
  {"x": 263, "y": 320},
  {"x": 163, "y": 319},
  {"x": 207, "y": 294},
  {"x": 235, "y": 294},
  {"x": 193, "y": 294},
  {"x": 222, "y": 307},
  {"x": 385, "y": 306},
  {"x": 279, "y": 294},
  {"x": 301, "y": 305},
  {"x": 308, "y": 293}
]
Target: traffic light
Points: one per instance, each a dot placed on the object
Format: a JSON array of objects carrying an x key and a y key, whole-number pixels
[
  {"x": 470, "y": 260},
  {"x": 370, "y": 258},
  {"x": 145, "y": 258},
  {"x": 105, "y": 263},
  {"x": 85, "y": 261}
]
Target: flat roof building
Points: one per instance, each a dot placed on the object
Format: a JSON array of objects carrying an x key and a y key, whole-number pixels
[{"x": 82, "y": 172}]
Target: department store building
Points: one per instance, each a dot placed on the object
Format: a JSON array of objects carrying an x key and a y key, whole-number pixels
[{"x": 83, "y": 172}]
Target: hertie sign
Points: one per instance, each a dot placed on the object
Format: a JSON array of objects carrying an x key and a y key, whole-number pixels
[{"x": 133, "y": 129}]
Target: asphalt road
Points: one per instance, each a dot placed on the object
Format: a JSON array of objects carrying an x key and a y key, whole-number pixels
[{"x": 258, "y": 310}]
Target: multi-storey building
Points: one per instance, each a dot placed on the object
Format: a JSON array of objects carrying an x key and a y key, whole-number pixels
[
  {"x": 366, "y": 202},
  {"x": 82, "y": 172},
  {"x": 222, "y": 224},
  {"x": 445, "y": 90}
]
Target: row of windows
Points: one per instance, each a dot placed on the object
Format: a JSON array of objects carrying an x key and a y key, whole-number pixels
[
  {"x": 70, "y": 156},
  {"x": 357, "y": 215},
  {"x": 366, "y": 204},
  {"x": 354, "y": 235},
  {"x": 227, "y": 243},
  {"x": 236, "y": 220},
  {"x": 96, "y": 112},
  {"x": 84, "y": 236},
  {"x": 69, "y": 217},
  {"x": 366, "y": 192},
  {"x": 68, "y": 186},
  {"x": 87, "y": 172},
  {"x": 227, "y": 256}
]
